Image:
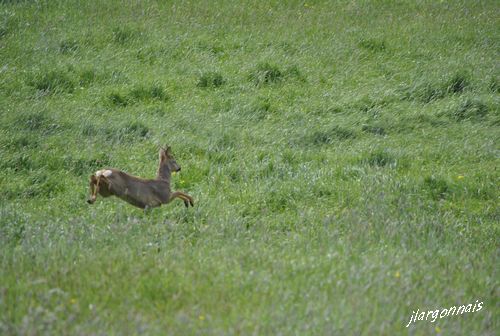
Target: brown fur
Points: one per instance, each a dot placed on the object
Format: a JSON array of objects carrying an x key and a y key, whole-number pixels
[{"x": 142, "y": 193}]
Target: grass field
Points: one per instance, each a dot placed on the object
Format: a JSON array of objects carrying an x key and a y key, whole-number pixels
[{"x": 343, "y": 157}]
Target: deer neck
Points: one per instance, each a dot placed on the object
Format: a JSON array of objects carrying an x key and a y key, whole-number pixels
[{"x": 164, "y": 174}]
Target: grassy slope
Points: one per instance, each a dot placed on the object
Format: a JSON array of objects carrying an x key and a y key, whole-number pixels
[{"x": 342, "y": 158}]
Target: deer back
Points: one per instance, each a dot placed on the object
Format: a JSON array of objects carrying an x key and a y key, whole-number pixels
[{"x": 138, "y": 191}]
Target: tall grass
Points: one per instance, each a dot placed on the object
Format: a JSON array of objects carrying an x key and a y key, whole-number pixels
[{"x": 342, "y": 156}]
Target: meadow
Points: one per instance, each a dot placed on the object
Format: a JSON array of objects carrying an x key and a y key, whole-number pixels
[{"x": 343, "y": 157}]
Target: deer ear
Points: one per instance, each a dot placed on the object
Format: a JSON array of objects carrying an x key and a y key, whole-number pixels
[
  {"x": 168, "y": 150},
  {"x": 161, "y": 153}
]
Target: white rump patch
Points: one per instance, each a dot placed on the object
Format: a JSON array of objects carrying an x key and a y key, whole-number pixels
[{"x": 103, "y": 172}]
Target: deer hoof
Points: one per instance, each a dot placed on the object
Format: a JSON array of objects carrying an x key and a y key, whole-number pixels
[
  {"x": 191, "y": 202},
  {"x": 186, "y": 204},
  {"x": 90, "y": 201}
]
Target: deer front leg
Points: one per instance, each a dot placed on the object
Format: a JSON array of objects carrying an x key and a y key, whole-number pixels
[
  {"x": 180, "y": 195},
  {"x": 183, "y": 196},
  {"x": 187, "y": 199}
]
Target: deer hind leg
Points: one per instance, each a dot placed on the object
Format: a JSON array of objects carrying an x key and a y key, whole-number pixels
[
  {"x": 94, "y": 189},
  {"x": 183, "y": 196},
  {"x": 98, "y": 185}
]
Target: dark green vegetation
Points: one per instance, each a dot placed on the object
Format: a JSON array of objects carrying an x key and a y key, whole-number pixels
[{"x": 343, "y": 158}]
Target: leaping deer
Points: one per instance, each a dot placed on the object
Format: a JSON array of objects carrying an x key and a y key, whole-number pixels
[{"x": 142, "y": 193}]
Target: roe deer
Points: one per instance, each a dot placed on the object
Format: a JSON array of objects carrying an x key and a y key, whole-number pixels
[{"x": 142, "y": 193}]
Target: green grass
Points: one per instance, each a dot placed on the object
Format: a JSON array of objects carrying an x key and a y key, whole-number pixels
[{"x": 343, "y": 157}]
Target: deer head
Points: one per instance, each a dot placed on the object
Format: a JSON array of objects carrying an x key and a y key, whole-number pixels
[{"x": 167, "y": 163}]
